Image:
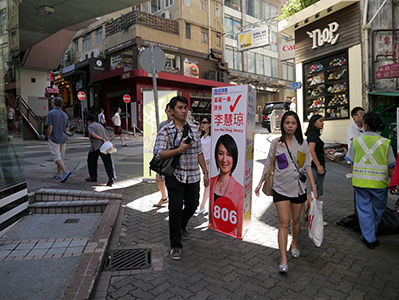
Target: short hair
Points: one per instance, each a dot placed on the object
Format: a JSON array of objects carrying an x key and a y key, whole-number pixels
[
  {"x": 298, "y": 132},
  {"x": 57, "y": 101},
  {"x": 230, "y": 144},
  {"x": 374, "y": 121},
  {"x": 90, "y": 117},
  {"x": 355, "y": 110},
  {"x": 176, "y": 99},
  {"x": 167, "y": 106}
]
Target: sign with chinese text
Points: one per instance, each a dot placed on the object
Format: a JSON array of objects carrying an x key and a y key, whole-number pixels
[
  {"x": 388, "y": 71},
  {"x": 255, "y": 38},
  {"x": 233, "y": 129}
]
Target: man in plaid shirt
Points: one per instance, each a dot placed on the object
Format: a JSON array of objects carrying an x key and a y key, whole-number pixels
[{"x": 184, "y": 185}]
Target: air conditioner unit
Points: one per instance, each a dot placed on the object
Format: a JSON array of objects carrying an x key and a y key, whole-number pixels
[
  {"x": 221, "y": 76},
  {"x": 211, "y": 75},
  {"x": 166, "y": 14}
]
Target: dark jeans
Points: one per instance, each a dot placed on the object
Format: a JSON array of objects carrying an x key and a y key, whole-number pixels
[
  {"x": 92, "y": 162},
  {"x": 180, "y": 194}
]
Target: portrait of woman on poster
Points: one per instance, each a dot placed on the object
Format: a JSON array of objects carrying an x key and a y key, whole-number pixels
[{"x": 224, "y": 185}]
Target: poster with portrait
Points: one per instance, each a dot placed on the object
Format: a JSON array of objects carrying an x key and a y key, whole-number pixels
[
  {"x": 233, "y": 131},
  {"x": 150, "y": 126}
]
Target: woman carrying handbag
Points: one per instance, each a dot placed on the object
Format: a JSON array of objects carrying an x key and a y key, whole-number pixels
[{"x": 292, "y": 161}]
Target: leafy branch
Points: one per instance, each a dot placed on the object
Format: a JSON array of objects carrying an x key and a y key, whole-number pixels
[{"x": 291, "y": 7}]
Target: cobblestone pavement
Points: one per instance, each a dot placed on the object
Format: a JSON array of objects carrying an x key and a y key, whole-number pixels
[{"x": 216, "y": 266}]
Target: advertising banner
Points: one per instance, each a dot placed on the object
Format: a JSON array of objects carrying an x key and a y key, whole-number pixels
[
  {"x": 255, "y": 38},
  {"x": 233, "y": 132},
  {"x": 150, "y": 126},
  {"x": 191, "y": 68},
  {"x": 287, "y": 50}
]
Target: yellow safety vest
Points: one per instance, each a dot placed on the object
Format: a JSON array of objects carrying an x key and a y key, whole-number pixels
[{"x": 370, "y": 167}]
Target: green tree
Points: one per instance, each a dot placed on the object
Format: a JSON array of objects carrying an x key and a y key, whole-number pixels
[{"x": 291, "y": 7}]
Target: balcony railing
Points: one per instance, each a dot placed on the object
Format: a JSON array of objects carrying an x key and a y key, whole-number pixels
[{"x": 123, "y": 23}]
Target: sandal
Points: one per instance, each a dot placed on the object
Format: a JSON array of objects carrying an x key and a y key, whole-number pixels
[{"x": 162, "y": 201}]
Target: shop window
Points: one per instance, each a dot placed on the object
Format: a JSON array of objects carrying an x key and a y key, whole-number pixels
[
  {"x": 251, "y": 62},
  {"x": 122, "y": 59},
  {"x": 234, "y": 58},
  {"x": 260, "y": 9},
  {"x": 203, "y": 5},
  {"x": 238, "y": 60},
  {"x": 274, "y": 67},
  {"x": 217, "y": 9},
  {"x": 233, "y": 27},
  {"x": 188, "y": 31},
  {"x": 288, "y": 71},
  {"x": 87, "y": 41},
  {"x": 172, "y": 61},
  {"x": 259, "y": 64},
  {"x": 99, "y": 35},
  {"x": 155, "y": 6},
  {"x": 326, "y": 87},
  {"x": 200, "y": 108},
  {"x": 76, "y": 46},
  {"x": 204, "y": 35},
  {"x": 268, "y": 65},
  {"x": 218, "y": 40},
  {"x": 169, "y": 3},
  {"x": 234, "y": 4}
]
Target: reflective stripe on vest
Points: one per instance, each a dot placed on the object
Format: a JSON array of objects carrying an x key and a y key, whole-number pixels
[{"x": 373, "y": 174}]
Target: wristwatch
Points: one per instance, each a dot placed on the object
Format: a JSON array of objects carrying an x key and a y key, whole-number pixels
[
  {"x": 314, "y": 185},
  {"x": 206, "y": 172}
]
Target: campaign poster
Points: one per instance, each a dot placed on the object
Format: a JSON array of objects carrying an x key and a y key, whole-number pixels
[
  {"x": 233, "y": 129},
  {"x": 150, "y": 125}
]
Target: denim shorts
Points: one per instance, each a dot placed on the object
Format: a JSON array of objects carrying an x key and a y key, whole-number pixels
[{"x": 319, "y": 180}]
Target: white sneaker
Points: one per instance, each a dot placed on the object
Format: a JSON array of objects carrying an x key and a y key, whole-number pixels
[{"x": 175, "y": 253}]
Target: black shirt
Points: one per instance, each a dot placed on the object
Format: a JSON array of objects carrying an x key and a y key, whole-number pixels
[{"x": 313, "y": 137}]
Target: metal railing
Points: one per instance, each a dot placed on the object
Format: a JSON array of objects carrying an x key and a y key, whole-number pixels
[{"x": 30, "y": 117}]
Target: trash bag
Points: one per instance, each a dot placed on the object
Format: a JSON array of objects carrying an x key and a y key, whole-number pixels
[
  {"x": 351, "y": 221},
  {"x": 389, "y": 223}
]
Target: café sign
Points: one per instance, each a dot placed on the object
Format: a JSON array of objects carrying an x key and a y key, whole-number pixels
[{"x": 326, "y": 36}]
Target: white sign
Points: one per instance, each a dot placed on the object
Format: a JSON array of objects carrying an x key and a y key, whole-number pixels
[
  {"x": 254, "y": 38},
  {"x": 287, "y": 50},
  {"x": 327, "y": 36},
  {"x": 233, "y": 127}
]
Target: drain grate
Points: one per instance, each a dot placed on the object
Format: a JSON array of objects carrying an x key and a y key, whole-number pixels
[
  {"x": 71, "y": 220},
  {"x": 128, "y": 260}
]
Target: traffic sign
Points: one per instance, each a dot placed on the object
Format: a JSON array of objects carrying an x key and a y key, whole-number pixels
[
  {"x": 81, "y": 96},
  {"x": 295, "y": 85},
  {"x": 126, "y": 98}
]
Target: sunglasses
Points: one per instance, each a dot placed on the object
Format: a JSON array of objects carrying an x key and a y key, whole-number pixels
[{"x": 205, "y": 122}]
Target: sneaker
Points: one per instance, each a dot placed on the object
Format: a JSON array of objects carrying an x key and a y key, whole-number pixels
[
  {"x": 65, "y": 176},
  {"x": 200, "y": 211},
  {"x": 57, "y": 176},
  {"x": 162, "y": 201},
  {"x": 110, "y": 182},
  {"x": 185, "y": 234},
  {"x": 91, "y": 179},
  {"x": 175, "y": 253}
]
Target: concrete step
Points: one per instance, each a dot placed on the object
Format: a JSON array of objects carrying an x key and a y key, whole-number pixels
[
  {"x": 68, "y": 207},
  {"x": 45, "y": 195}
]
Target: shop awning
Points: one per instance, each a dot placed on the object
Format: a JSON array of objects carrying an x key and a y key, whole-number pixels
[
  {"x": 384, "y": 94},
  {"x": 311, "y": 14}
]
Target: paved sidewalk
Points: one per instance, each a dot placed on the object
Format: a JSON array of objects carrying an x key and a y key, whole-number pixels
[{"x": 216, "y": 266}]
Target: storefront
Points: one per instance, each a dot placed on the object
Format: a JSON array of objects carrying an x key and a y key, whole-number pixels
[{"x": 328, "y": 62}]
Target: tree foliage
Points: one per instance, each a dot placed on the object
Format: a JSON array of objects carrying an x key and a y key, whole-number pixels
[{"x": 291, "y": 7}]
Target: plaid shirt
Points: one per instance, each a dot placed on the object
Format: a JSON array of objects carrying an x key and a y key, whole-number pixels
[{"x": 188, "y": 170}]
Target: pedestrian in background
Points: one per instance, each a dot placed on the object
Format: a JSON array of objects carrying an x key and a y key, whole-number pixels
[
  {"x": 98, "y": 136},
  {"x": 57, "y": 122},
  {"x": 101, "y": 118},
  {"x": 183, "y": 186},
  {"x": 160, "y": 179},
  {"x": 316, "y": 148},
  {"x": 293, "y": 104},
  {"x": 116, "y": 119},
  {"x": 355, "y": 129},
  {"x": 289, "y": 192},
  {"x": 205, "y": 128},
  {"x": 372, "y": 162},
  {"x": 10, "y": 117}
]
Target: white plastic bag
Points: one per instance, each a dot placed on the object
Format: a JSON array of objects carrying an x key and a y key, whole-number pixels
[
  {"x": 108, "y": 148},
  {"x": 315, "y": 221}
]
